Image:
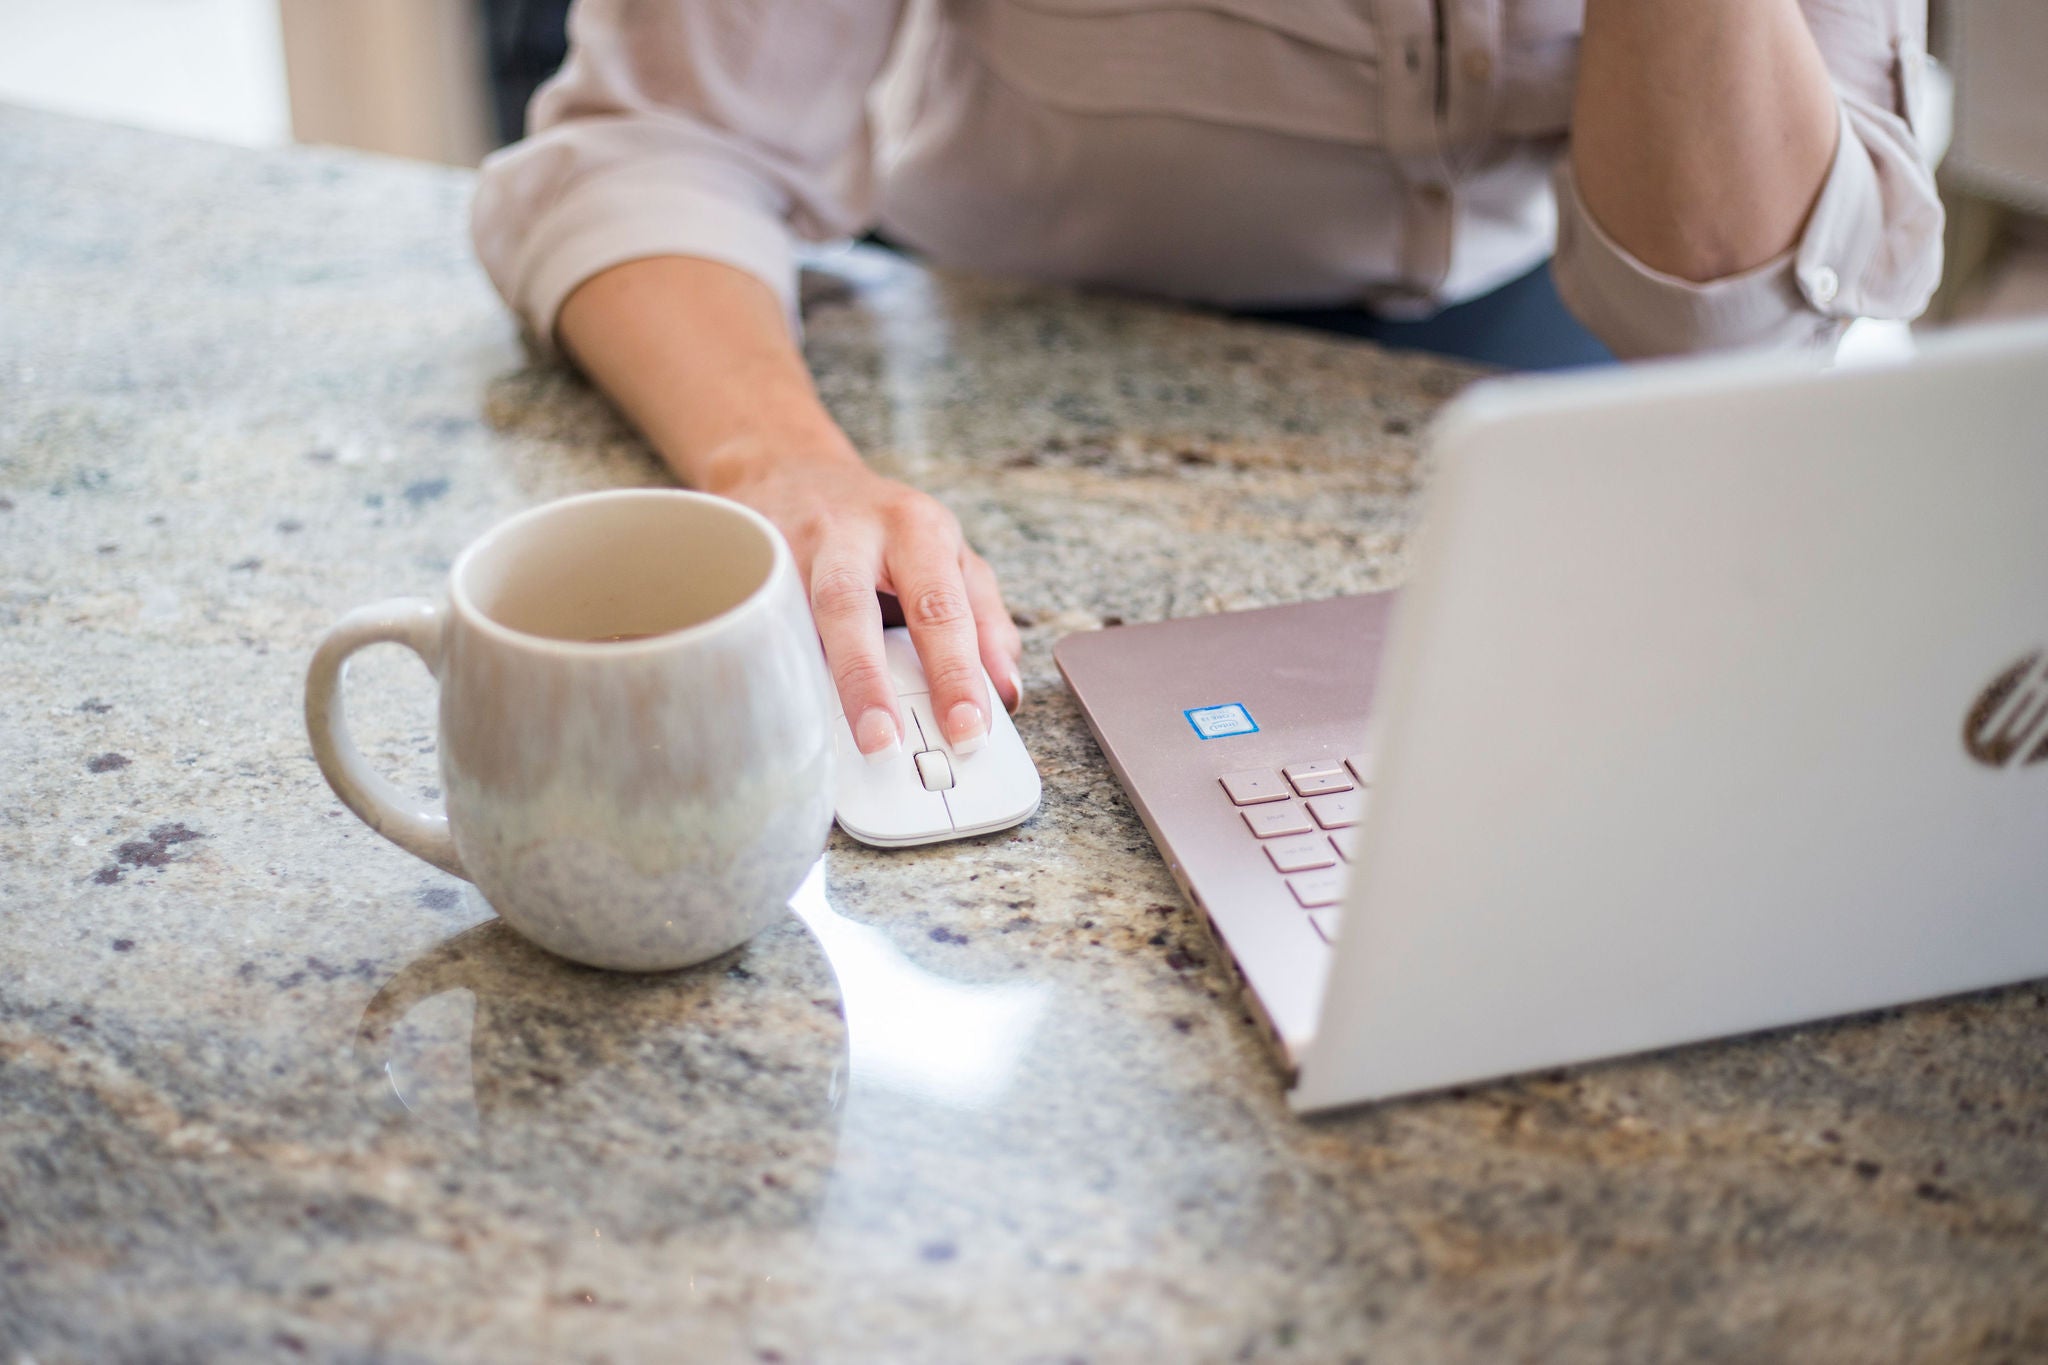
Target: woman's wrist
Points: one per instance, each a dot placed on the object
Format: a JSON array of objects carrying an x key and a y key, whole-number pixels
[{"x": 773, "y": 453}]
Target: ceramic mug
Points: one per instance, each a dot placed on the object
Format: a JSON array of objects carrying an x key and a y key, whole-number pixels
[{"x": 643, "y": 802}]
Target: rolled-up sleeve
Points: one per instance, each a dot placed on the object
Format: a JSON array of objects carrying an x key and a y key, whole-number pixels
[
  {"x": 719, "y": 129},
  {"x": 1871, "y": 246}
]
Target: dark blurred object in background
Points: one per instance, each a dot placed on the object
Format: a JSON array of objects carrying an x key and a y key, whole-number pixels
[
  {"x": 524, "y": 41},
  {"x": 1994, "y": 180},
  {"x": 1997, "y": 52}
]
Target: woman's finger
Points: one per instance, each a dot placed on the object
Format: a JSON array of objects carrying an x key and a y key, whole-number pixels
[
  {"x": 850, "y": 627},
  {"x": 1001, "y": 645},
  {"x": 923, "y": 561}
]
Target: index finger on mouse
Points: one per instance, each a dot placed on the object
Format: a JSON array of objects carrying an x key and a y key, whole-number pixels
[{"x": 849, "y": 623}]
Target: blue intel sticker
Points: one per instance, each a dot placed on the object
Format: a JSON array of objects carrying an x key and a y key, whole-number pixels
[{"x": 1219, "y": 722}]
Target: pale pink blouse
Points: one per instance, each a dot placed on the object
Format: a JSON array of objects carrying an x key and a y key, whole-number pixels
[{"x": 1403, "y": 154}]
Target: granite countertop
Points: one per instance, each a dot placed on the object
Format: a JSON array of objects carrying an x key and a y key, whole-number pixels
[{"x": 272, "y": 1090}]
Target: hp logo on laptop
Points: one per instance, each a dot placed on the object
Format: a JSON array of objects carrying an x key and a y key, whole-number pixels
[{"x": 2008, "y": 724}]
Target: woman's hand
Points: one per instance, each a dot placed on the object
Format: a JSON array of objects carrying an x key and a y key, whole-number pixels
[
  {"x": 856, "y": 534},
  {"x": 700, "y": 356}
]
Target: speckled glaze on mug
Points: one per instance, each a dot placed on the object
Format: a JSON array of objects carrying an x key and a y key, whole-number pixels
[{"x": 641, "y": 804}]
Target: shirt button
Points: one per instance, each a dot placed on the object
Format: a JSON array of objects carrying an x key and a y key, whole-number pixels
[
  {"x": 1823, "y": 286},
  {"x": 1478, "y": 67}
]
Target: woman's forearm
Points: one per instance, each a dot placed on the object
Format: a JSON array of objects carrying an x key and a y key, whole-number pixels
[
  {"x": 699, "y": 356},
  {"x": 1702, "y": 130}
]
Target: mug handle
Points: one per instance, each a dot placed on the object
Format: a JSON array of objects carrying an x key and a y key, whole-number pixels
[{"x": 415, "y": 623}]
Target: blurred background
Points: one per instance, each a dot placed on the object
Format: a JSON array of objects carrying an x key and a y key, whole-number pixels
[{"x": 448, "y": 80}]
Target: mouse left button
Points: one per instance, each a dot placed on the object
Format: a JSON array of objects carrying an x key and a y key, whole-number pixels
[{"x": 886, "y": 802}]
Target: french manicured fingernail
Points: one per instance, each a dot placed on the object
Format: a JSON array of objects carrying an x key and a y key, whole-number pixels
[
  {"x": 966, "y": 727},
  {"x": 1016, "y": 690},
  {"x": 876, "y": 735}
]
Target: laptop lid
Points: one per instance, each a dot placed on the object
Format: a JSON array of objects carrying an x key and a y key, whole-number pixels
[{"x": 1718, "y": 701}]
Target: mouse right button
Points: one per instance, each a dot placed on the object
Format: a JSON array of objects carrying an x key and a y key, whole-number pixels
[{"x": 997, "y": 785}]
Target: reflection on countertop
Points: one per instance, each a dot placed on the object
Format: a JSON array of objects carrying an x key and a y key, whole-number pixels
[
  {"x": 269, "y": 1089},
  {"x": 914, "y": 1031},
  {"x": 569, "y": 1080}
]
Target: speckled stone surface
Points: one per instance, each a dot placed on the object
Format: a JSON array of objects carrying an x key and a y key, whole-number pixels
[{"x": 271, "y": 1090}]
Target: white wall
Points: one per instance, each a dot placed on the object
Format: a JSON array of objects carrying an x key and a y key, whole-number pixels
[{"x": 208, "y": 68}]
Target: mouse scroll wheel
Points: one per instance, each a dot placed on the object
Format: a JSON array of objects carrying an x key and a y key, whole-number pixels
[{"x": 934, "y": 771}]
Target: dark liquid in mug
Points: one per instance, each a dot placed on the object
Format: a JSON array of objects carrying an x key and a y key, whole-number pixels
[{"x": 620, "y": 639}]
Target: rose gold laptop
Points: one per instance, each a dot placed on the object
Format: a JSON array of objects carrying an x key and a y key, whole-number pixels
[{"x": 1718, "y": 701}]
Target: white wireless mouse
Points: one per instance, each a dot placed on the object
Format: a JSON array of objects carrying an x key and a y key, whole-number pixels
[{"x": 928, "y": 792}]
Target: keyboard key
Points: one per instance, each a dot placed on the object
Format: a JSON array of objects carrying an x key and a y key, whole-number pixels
[
  {"x": 1345, "y": 841},
  {"x": 1323, "y": 775},
  {"x": 1272, "y": 821},
  {"x": 1254, "y": 785},
  {"x": 1300, "y": 853},
  {"x": 1327, "y": 921},
  {"x": 1318, "y": 889},
  {"x": 1339, "y": 811},
  {"x": 1361, "y": 768}
]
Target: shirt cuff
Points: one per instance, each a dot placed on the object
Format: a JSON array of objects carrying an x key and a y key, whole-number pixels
[
  {"x": 1804, "y": 297},
  {"x": 630, "y": 214},
  {"x": 1832, "y": 263}
]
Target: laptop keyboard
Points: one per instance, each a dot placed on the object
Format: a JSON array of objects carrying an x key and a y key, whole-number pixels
[{"x": 1305, "y": 817}]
